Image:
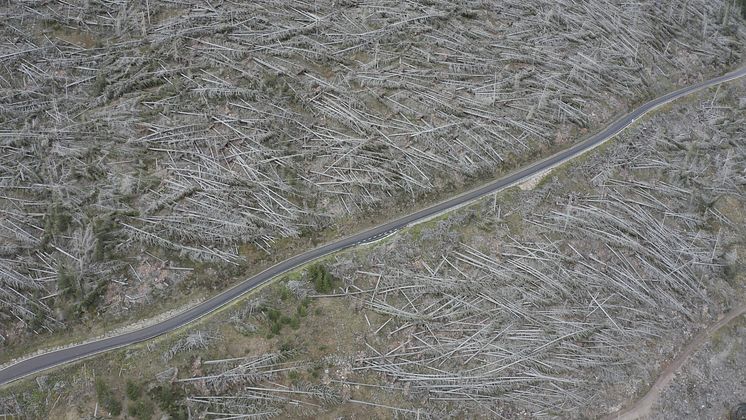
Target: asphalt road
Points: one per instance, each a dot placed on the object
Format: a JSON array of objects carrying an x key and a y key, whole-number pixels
[{"x": 44, "y": 361}]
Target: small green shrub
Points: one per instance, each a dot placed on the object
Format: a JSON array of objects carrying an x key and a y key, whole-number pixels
[
  {"x": 90, "y": 302},
  {"x": 66, "y": 281},
  {"x": 134, "y": 390},
  {"x": 169, "y": 399},
  {"x": 58, "y": 218},
  {"x": 107, "y": 399},
  {"x": 315, "y": 371},
  {"x": 273, "y": 314},
  {"x": 105, "y": 228},
  {"x": 38, "y": 320},
  {"x": 293, "y": 376},
  {"x": 295, "y": 323},
  {"x": 321, "y": 278},
  {"x": 141, "y": 410},
  {"x": 285, "y": 293}
]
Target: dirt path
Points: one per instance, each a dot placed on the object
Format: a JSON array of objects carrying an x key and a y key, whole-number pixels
[{"x": 641, "y": 407}]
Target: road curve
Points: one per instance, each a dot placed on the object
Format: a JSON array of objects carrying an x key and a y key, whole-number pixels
[{"x": 58, "y": 357}]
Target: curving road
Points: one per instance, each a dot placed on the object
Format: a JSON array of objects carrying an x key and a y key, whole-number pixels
[{"x": 44, "y": 361}]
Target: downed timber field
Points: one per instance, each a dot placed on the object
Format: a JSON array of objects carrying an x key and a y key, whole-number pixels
[
  {"x": 152, "y": 153},
  {"x": 563, "y": 298}
]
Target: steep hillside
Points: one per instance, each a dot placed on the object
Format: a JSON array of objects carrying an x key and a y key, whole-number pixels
[
  {"x": 141, "y": 136},
  {"x": 563, "y": 297}
]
